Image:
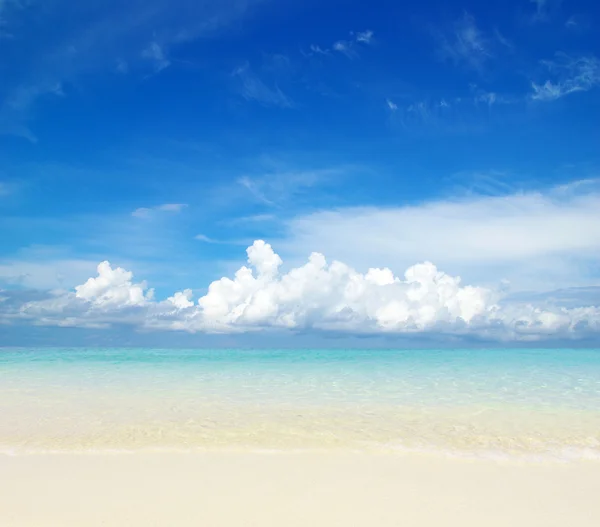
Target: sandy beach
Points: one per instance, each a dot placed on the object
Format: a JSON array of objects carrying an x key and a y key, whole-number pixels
[{"x": 293, "y": 489}]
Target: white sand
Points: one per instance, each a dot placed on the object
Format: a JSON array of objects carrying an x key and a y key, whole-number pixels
[{"x": 293, "y": 489}]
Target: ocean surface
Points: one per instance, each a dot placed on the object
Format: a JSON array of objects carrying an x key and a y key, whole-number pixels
[{"x": 476, "y": 402}]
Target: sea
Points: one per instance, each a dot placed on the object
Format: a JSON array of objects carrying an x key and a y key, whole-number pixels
[{"x": 530, "y": 403}]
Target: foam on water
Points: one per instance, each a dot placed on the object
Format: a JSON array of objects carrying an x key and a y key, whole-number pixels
[{"x": 464, "y": 402}]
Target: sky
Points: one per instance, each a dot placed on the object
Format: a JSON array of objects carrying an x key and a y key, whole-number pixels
[{"x": 269, "y": 172}]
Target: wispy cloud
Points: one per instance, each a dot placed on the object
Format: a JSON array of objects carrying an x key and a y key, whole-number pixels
[
  {"x": 391, "y": 105},
  {"x": 98, "y": 37},
  {"x": 252, "y": 88},
  {"x": 503, "y": 40},
  {"x": 214, "y": 241},
  {"x": 276, "y": 188},
  {"x": 570, "y": 75},
  {"x": 537, "y": 240},
  {"x": 7, "y": 8},
  {"x": 148, "y": 212},
  {"x": 364, "y": 36},
  {"x": 471, "y": 112},
  {"x": 444, "y": 115},
  {"x": 348, "y": 46},
  {"x": 343, "y": 46},
  {"x": 121, "y": 66},
  {"x": 318, "y": 50},
  {"x": 254, "y": 187},
  {"x": 44, "y": 273},
  {"x": 571, "y": 23},
  {"x": 15, "y": 110},
  {"x": 480, "y": 183},
  {"x": 251, "y": 219},
  {"x": 540, "y": 5},
  {"x": 578, "y": 23},
  {"x": 490, "y": 98},
  {"x": 258, "y": 218},
  {"x": 204, "y": 238},
  {"x": 544, "y": 9},
  {"x": 157, "y": 55},
  {"x": 465, "y": 43}
]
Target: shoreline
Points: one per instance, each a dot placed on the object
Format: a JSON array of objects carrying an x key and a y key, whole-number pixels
[{"x": 267, "y": 489}]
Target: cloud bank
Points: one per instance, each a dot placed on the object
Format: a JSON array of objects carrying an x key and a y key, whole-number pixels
[
  {"x": 535, "y": 240},
  {"x": 318, "y": 295}
]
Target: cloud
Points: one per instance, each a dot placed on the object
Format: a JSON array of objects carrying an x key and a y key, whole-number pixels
[
  {"x": 342, "y": 46},
  {"x": 113, "y": 287},
  {"x": 571, "y": 23},
  {"x": 331, "y": 297},
  {"x": 501, "y": 39},
  {"x": 536, "y": 240},
  {"x": 391, "y": 105},
  {"x": 318, "y": 296},
  {"x": 578, "y": 23},
  {"x": 544, "y": 9},
  {"x": 453, "y": 115},
  {"x": 204, "y": 238},
  {"x": 15, "y": 109},
  {"x": 436, "y": 115},
  {"x": 156, "y": 54},
  {"x": 257, "y": 218},
  {"x": 208, "y": 239},
  {"x": 570, "y": 75},
  {"x": 254, "y": 187},
  {"x": 8, "y": 8},
  {"x": 318, "y": 50},
  {"x": 466, "y": 43},
  {"x": 182, "y": 299},
  {"x": 364, "y": 36},
  {"x": 149, "y": 212},
  {"x": 540, "y": 5},
  {"x": 40, "y": 272},
  {"x": 96, "y": 37},
  {"x": 489, "y": 97},
  {"x": 109, "y": 298},
  {"x": 278, "y": 187},
  {"x": 172, "y": 207},
  {"x": 121, "y": 66},
  {"x": 347, "y": 47},
  {"x": 252, "y": 88}
]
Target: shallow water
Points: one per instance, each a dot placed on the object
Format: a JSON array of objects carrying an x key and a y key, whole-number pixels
[{"x": 459, "y": 401}]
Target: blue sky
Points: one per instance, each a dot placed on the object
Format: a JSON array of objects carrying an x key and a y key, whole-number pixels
[{"x": 166, "y": 137}]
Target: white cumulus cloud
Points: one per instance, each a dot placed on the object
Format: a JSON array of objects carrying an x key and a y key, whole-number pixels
[
  {"x": 110, "y": 297},
  {"x": 113, "y": 287},
  {"x": 318, "y": 295},
  {"x": 182, "y": 299}
]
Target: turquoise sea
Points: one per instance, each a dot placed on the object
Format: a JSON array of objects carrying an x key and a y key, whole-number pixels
[{"x": 480, "y": 402}]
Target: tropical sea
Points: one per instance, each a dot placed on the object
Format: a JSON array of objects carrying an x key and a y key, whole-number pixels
[{"x": 497, "y": 402}]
